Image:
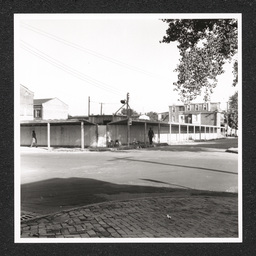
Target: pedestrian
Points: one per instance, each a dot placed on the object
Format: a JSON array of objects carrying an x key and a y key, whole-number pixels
[
  {"x": 34, "y": 139},
  {"x": 150, "y": 135}
]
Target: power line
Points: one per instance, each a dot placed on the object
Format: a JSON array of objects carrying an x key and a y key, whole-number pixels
[
  {"x": 47, "y": 57},
  {"x": 68, "y": 69},
  {"x": 74, "y": 73},
  {"x": 94, "y": 53},
  {"x": 109, "y": 103}
]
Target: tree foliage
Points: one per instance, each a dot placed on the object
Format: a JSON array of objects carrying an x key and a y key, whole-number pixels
[
  {"x": 231, "y": 116},
  {"x": 205, "y": 45},
  {"x": 152, "y": 115},
  {"x": 131, "y": 112},
  {"x": 235, "y": 73}
]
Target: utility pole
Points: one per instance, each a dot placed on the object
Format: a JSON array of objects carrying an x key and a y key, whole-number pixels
[
  {"x": 126, "y": 102},
  {"x": 128, "y": 119},
  {"x": 89, "y": 106},
  {"x": 101, "y": 108}
]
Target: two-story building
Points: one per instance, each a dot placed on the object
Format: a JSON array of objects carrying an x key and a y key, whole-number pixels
[{"x": 196, "y": 113}]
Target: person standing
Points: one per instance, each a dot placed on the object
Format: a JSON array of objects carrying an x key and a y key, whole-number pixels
[
  {"x": 34, "y": 140},
  {"x": 150, "y": 135}
]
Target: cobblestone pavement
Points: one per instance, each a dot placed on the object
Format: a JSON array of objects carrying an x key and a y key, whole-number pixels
[{"x": 162, "y": 217}]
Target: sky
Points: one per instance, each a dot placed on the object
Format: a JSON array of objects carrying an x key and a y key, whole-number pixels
[{"x": 104, "y": 57}]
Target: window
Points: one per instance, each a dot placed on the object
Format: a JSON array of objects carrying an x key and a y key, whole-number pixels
[
  {"x": 37, "y": 113},
  {"x": 181, "y": 119},
  {"x": 181, "y": 108},
  {"x": 173, "y": 109},
  {"x": 195, "y": 118},
  {"x": 188, "y": 108},
  {"x": 173, "y": 118},
  {"x": 196, "y": 107},
  {"x": 204, "y": 107}
]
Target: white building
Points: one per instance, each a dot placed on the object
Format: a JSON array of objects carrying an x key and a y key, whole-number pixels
[
  {"x": 47, "y": 109},
  {"x": 26, "y": 103}
]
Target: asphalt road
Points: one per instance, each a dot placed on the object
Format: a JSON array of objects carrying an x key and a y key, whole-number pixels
[{"x": 59, "y": 180}]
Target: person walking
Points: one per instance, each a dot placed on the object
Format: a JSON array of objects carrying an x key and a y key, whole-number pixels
[
  {"x": 34, "y": 140},
  {"x": 150, "y": 135}
]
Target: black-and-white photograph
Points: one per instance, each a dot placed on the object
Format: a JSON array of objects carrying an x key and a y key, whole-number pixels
[{"x": 128, "y": 128}]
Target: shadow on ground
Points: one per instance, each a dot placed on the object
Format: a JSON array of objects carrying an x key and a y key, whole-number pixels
[
  {"x": 201, "y": 146},
  {"x": 58, "y": 194},
  {"x": 177, "y": 165}
]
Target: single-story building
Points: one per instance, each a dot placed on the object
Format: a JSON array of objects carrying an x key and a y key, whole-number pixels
[
  {"x": 82, "y": 133},
  {"x": 59, "y": 133},
  {"x": 137, "y": 130}
]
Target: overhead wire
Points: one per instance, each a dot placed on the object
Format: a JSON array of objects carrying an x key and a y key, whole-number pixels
[
  {"x": 94, "y": 53},
  {"x": 68, "y": 69},
  {"x": 109, "y": 103}
]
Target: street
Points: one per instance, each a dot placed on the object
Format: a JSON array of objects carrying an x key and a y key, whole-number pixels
[{"x": 51, "y": 181}]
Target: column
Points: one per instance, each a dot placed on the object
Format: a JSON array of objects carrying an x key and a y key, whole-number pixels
[
  {"x": 97, "y": 134},
  {"x": 170, "y": 133},
  {"x": 107, "y": 133},
  {"x": 179, "y": 132},
  {"x": 158, "y": 132},
  {"x": 82, "y": 135},
  {"x": 187, "y": 132},
  {"x": 48, "y": 136},
  {"x": 145, "y": 133}
]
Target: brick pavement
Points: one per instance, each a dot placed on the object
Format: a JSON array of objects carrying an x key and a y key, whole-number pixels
[{"x": 162, "y": 217}]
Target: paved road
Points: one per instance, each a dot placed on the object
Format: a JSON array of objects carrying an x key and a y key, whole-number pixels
[
  {"x": 136, "y": 193},
  {"x": 53, "y": 180}
]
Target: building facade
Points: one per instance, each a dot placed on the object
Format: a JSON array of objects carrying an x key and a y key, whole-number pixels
[
  {"x": 163, "y": 117},
  {"x": 26, "y": 103},
  {"x": 48, "y": 109},
  {"x": 196, "y": 113}
]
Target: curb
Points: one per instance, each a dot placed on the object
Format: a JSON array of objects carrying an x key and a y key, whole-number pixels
[
  {"x": 232, "y": 150},
  {"x": 194, "y": 193}
]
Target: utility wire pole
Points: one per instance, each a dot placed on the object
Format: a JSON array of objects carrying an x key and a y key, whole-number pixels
[
  {"x": 89, "y": 106},
  {"x": 126, "y": 102},
  {"x": 101, "y": 108},
  {"x": 128, "y": 119}
]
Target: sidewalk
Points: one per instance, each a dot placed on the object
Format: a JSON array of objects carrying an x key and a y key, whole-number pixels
[
  {"x": 92, "y": 150},
  {"x": 195, "y": 216}
]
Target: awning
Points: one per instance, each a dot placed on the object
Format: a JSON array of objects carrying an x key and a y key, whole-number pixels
[
  {"x": 54, "y": 122},
  {"x": 139, "y": 122}
]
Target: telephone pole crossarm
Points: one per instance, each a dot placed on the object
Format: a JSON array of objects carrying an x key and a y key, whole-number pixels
[{"x": 119, "y": 109}]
